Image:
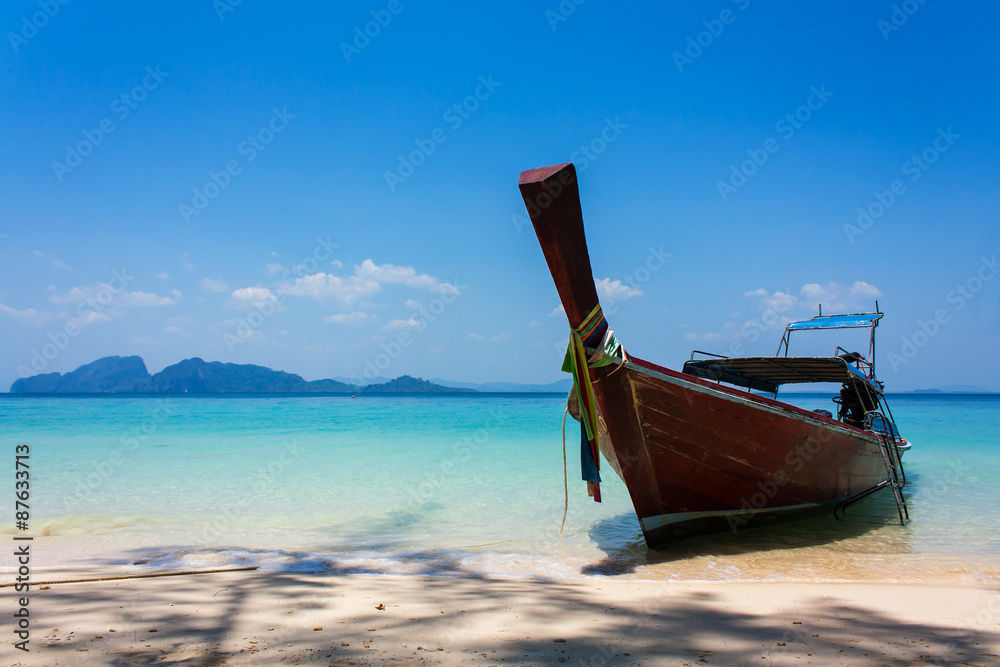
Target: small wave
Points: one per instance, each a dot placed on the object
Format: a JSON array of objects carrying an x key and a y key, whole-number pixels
[
  {"x": 403, "y": 563},
  {"x": 80, "y": 525}
]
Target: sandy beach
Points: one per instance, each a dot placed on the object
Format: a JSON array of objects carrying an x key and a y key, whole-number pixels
[{"x": 265, "y": 617}]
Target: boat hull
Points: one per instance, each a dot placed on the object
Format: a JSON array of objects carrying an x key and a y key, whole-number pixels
[{"x": 698, "y": 457}]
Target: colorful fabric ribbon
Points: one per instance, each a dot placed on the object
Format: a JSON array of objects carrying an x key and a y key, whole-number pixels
[{"x": 594, "y": 333}]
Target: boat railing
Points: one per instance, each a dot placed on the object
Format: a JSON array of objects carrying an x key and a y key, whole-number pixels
[
  {"x": 866, "y": 367},
  {"x": 885, "y": 430},
  {"x": 707, "y": 354},
  {"x": 877, "y": 422},
  {"x": 840, "y": 321}
]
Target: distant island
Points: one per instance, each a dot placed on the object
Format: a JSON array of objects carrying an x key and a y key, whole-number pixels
[
  {"x": 128, "y": 375},
  {"x": 558, "y": 387},
  {"x": 953, "y": 389}
]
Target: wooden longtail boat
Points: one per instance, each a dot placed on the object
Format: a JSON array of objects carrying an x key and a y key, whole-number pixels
[{"x": 697, "y": 455}]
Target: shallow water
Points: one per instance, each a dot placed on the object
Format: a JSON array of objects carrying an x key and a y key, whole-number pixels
[{"x": 452, "y": 486}]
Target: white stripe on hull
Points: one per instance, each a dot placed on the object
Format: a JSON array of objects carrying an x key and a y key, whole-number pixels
[{"x": 653, "y": 522}]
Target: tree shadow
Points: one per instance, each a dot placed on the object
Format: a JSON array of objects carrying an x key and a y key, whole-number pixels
[{"x": 209, "y": 620}]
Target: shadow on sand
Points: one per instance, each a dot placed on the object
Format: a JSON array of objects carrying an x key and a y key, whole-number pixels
[{"x": 212, "y": 619}]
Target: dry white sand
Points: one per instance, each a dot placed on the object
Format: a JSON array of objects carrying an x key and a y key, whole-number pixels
[{"x": 286, "y": 618}]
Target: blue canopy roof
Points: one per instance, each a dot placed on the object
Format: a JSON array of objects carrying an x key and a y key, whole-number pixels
[{"x": 836, "y": 322}]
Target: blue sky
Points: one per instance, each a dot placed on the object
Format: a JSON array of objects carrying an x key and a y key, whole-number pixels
[{"x": 255, "y": 184}]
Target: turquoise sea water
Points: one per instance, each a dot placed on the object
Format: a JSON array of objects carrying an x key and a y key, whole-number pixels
[{"x": 454, "y": 485}]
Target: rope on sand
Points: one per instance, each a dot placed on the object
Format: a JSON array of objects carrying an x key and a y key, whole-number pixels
[
  {"x": 487, "y": 544},
  {"x": 136, "y": 576}
]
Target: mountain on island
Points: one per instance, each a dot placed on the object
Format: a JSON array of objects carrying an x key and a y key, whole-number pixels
[
  {"x": 364, "y": 381},
  {"x": 111, "y": 374},
  {"x": 128, "y": 375}
]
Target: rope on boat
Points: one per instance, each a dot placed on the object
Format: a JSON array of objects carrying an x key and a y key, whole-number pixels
[
  {"x": 137, "y": 576},
  {"x": 617, "y": 368},
  {"x": 565, "y": 475}
]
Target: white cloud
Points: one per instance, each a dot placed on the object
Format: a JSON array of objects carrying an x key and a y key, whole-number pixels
[
  {"x": 777, "y": 309},
  {"x": 837, "y": 298},
  {"x": 253, "y": 294},
  {"x": 475, "y": 336},
  {"x": 88, "y": 318},
  {"x": 702, "y": 336},
  {"x": 367, "y": 280},
  {"x": 254, "y": 297},
  {"x": 406, "y": 275},
  {"x": 404, "y": 324},
  {"x": 337, "y": 264},
  {"x": 28, "y": 316},
  {"x": 413, "y": 304},
  {"x": 779, "y": 302},
  {"x": 607, "y": 290},
  {"x": 174, "y": 331},
  {"x": 53, "y": 260},
  {"x": 249, "y": 334},
  {"x": 615, "y": 290},
  {"x": 144, "y": 299},
  {"x": 214, "y": 285},
  {"x": 163, "y": 275},
  {"x": 142, "y": 340},
  {"x": 105, "y": 294},
  {"x": 322, "y": 286},
  {"x": 815, "y": 291},
  {"x": 76, "y": 295},
  {"x": 862, "y": 289},
  {"x": 533, "y": 323},
  {"x": 347, "y": 318},
  {"x": 273, "y": 269}
]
